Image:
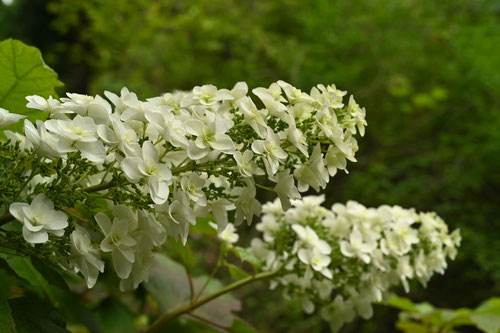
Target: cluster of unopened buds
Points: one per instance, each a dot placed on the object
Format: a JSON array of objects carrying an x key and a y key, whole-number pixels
[
  {"x": 190, "y": 154},
  {"x": 344, "y": 259}
]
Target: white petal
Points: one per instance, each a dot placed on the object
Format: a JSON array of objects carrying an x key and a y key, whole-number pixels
[
  {"x": 35, "y": 237},
  {"x": 122, "y": 266},
  {"x": 16, "y": 209},
  {"x": 93, "y": 151},
  {"x": 194, "y": 127},
  {"x": 104, "y": 222},
  {"x": 130, "y": 167}
]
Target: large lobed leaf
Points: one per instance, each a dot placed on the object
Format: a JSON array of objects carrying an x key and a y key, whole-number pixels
[{"x": 23, "y": 72}]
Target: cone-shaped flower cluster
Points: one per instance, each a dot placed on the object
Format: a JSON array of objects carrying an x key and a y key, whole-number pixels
[
  {"x": 344, "y": 259},
  {"x": 190, "y": 154}
]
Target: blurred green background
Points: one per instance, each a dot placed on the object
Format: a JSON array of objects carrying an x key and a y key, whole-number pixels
[{"x": 428, "y": 73}]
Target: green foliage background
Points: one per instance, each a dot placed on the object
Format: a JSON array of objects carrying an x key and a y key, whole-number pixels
[{"x": 428, "y": 73}]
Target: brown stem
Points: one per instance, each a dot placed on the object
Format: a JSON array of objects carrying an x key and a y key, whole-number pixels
[
  {"x": 164, "y": 319},
  {"x": 208, "y": 321}
]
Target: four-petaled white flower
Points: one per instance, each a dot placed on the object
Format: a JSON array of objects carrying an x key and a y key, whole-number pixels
[
  {"x": 357, "y": 247},
  {"x": 158, "y": 174},
  {"x": 272, "y": 151},
  {"x": 208, "y": 136},
  {"x": 82, "y": 133},
  {"x": 117, "y": 238},
  {"x": 39, "y": 219},
  {"x": 228, "y": 234},
  {"x": 209, "y": 94}
]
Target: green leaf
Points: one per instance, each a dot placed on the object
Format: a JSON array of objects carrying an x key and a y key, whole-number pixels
[
  {"x": 491, "y": 306},
  {"x": 424, "y": 308},
  {"x": 401, "y": 303},
  {"x": 169, "y": 287},
  {"x": 245, "y": 255},
  {"x": 489, "y": 323},
  {"x": 203, "y": 227},
  {"x": 7, "y": 324},
  {"x": 24, "y": 268},
  {"x": 236, "y": 272},
  {"x": 411, "y": 327},
  {"x": 116, "y": 317},
  {"x": 6, "y": 321},
  {"x": 183, "y": 252},
  {"x": 23, "y": 72},
  {"x": 455, "y": 318},
  {"x": 34, "y": 316},
  {"x": 50, "y": 274},
  {"x": 240, "y": 326}
]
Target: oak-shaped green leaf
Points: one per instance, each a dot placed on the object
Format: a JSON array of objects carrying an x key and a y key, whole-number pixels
[
  {"x": 22, "y": 73},
  {"x": 35, "y": 316},
  {"x": 24, "y": 268}
]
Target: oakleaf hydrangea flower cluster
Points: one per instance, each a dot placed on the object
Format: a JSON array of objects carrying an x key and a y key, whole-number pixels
[
  {"x": 115, "y": 177},
  {"x": 340, "y": 261}
]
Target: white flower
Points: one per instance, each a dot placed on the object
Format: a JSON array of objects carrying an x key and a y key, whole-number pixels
[
  {"x": 357, "y": 247},
  {"x": 46, "y": 144},
  {"x": 228, "y": 234},
  {"x": 313, "y": 173},
  {"x": 246, "y": 205},
  {"x": 192, "y": 185},
  {"x": 39, "y": 219},
  {"x": 51, "y": 106},
  {"x": 328, "y": 95},
  {"x": 81, "y": 131},
  {"x": 335, "y": 159},
  {"x": 327, "y": 121},
  {"x": 306, "y": 234},
  {"x": 120, "y": 102},
  {"x": 85, "y": 256},
  {"x": 297, "y": 138},
  {"x": 121, "y": 135},
  {"x": 245, "y": 164},
  {"x": 209, "y": 95},
  {"x": 268, "y": 226},
  {"x": 140, "y": 268},
  {"x": 169, "y": 127},
  {"x": 176, "y": 216},
  {"x": 254, "y": 117},
  {"x": 158, "y": 174},
  {"x": 270, "y": 148},
  {"x": 96, "y": 108},
  {"x": 358, "y": 116},
  {"x": 208, "y": 136},
  {"x": 286, "y": 189},
  {"x": 338, "y": 313},
  {"x": 7, "y": 118},
  {"x": 400, "y": 239},
  {"x": 272, "y": 99},
  {"x": 294, "y": 94},
  {"x": 117, "y": 238},
  {"x": 318, "y": 258},
  {"x": 137, "y": 110}
]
